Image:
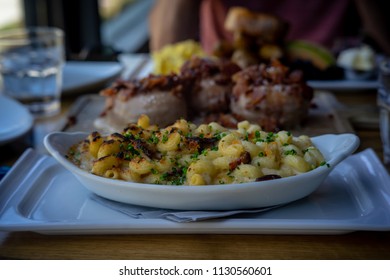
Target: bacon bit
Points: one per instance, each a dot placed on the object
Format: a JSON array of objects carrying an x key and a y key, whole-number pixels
[
  {"x": 244, "y": 158},
  {"x": 193, "y": 145},
  {"x": 202, "y": 143}
]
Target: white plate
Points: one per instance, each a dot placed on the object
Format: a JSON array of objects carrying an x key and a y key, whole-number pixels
[
  {"x": 40, "y": 195},
  {"x": 15, "y": 119},
  {"x": 335, "y": 148},
  {"x": 86, "y": 75}
]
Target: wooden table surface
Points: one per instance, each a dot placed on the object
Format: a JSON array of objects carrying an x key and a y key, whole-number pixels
[{"x": 356, "y": 245}]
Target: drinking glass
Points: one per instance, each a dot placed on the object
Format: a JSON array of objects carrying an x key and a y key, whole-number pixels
[
  {"x": 31, "y": 62},
  {"x": 384, "y": 107}
]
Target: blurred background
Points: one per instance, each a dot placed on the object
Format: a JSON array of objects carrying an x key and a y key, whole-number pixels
[
  {"x": 95, "y": 29},
  {"x": 100, "y": 30}
]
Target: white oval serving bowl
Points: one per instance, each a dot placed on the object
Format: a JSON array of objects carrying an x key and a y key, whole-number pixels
[{"x": 334, "y": 147}]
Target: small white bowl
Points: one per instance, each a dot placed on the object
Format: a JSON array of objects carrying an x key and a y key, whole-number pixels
[{"x": 334, "y": 147}]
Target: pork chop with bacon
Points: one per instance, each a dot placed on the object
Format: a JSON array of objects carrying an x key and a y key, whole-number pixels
[
  {"x": 271, "y": 95},
  {"x": 211, "y": 85},
  {"x": 161, "y": 97}
]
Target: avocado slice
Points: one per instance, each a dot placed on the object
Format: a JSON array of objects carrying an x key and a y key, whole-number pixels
[{"x": 302, "y": 50}]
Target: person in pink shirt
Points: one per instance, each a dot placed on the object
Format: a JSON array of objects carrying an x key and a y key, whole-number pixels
[
  {"x": 323, "y": 17},
  {"x": 325, "y": 22}
]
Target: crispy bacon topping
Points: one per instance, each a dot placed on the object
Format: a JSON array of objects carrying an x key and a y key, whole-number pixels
[
  {"x": 127, "y": 89},
  {"x": 221, "y": 71}
]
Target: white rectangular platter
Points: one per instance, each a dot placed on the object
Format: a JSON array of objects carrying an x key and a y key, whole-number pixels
[{"x": 40, "y": 195}]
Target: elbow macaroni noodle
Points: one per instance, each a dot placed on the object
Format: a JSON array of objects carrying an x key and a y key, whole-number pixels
[{"x": 186, "y": 154}]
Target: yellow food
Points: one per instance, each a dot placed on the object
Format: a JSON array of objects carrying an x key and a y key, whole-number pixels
[
  {"x": 170, "y": 58},
  {"x": 187, "y": 154}
]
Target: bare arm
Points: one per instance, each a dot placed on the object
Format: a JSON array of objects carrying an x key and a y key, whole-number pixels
[{"x": 171, "y": 21}]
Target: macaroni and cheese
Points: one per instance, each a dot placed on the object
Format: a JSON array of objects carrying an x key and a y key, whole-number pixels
[{"x": 189, "y": 154}]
